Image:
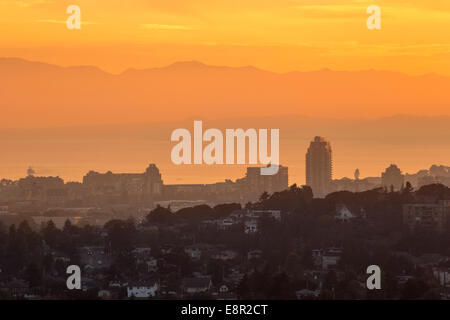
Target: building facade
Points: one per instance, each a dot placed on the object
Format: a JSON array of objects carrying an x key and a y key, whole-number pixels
[
  {"x": 392, "y": 178},
  {"x": 126, "y": 187},
  {"x": 319, "y": 167},
  {"x": 148, "y": 187},
  {"x": 431, "y": 218}
]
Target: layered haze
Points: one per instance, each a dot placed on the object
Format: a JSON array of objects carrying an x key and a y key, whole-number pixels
[
  {"x": 35, "y": 94},
  {"x": 68, "y": 120}
]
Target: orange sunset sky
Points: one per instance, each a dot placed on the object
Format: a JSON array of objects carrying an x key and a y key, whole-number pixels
[{"x": 280, "y": 36}]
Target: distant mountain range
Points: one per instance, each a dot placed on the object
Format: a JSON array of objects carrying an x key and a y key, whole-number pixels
[{"x": 34, "y": 94}]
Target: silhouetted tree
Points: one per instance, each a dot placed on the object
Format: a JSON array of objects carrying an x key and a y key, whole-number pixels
[
  {"x": 121, "y": 235},
  {"x": 160, "y": 215}
]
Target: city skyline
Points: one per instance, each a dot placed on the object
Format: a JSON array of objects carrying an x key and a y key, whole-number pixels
[
  {"x": 319, "y": 177},
  {"x": 36, "y": 170},
  {"x": 70, "y": 152}
]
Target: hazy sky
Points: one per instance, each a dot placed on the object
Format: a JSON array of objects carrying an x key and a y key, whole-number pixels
[{"x": 281, "y": 35}]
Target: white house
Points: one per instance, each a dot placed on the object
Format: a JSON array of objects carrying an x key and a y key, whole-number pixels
[
  {"x": 251, "y": 226},
  {"x": 344, "y": 215}
]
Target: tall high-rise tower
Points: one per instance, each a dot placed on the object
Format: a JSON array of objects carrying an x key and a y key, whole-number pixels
[{"x": 319, "y": 167}]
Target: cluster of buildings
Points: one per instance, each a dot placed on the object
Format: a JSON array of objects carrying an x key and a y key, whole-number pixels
[
  {"x": 138, "y": 189},
  {"x": 119, "y": 195},
  {"x": 319, "y": 174},
  {"x": 148, "y": 187},
  {"x": 250, "y": 219},
  {"x": 427, "y": 217},
  {"x": 421, "y": 216}
]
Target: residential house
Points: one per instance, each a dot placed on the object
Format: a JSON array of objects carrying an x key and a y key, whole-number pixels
[
  {"x": 251, "y": 226},
  {"x": 343, "y": 214}
]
